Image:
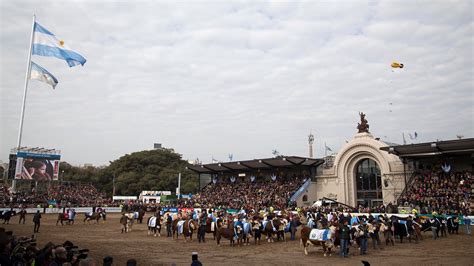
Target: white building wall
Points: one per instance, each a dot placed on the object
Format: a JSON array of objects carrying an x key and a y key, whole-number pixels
[{"x": 338, "y": 182}]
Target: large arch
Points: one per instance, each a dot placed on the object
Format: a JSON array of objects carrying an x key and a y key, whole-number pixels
[{"x": 365, "y": 146}]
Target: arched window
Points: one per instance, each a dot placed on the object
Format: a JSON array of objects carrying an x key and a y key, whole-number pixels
[
  {"x": 305, "y": 198},
  {"x": 369, "y": 183}
]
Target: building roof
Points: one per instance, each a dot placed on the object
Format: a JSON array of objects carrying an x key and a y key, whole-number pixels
[
  {"x": 459, "y": 146},
  {"x": 256, "y": 164}
]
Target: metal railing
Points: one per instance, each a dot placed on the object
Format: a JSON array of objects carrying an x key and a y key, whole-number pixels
[
  {"x": 300, "y": 191},
  {"x": 408, "y": 185}
]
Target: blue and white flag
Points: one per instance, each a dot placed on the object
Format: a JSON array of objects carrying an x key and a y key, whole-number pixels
[
  {"x": 46, "y": 43},
  {"x": 41, "y": 74}
]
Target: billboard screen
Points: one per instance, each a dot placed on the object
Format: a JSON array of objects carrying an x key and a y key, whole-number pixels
[{"x": 35, "y": 166}]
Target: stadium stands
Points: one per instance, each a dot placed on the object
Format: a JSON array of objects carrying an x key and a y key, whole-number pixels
[
  {"x": 262, "y": 193},
  {"x": 60, "y": 194},
  {"x": 441, "y": 192}
]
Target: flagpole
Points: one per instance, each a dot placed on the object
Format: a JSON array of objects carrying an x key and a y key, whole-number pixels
[{"x": 27, "y": 76}]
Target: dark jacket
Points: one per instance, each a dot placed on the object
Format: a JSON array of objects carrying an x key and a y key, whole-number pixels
[
  {"x": 344, "y": 232},
  {"x": 37, "y": 218}
]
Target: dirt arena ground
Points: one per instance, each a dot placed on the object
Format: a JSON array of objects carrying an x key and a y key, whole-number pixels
[{"x": 105, "y": 239}]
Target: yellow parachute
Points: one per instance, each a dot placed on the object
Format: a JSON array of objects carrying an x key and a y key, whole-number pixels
[{"x": 395, "y": 64}]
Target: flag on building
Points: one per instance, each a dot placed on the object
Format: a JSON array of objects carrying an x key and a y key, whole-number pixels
[
  {"x": 41, "y": 74},
  {"x": 46, "y": 43},
  {"x": 414, "y": 136},
  {"x": 327, "y": 148}
]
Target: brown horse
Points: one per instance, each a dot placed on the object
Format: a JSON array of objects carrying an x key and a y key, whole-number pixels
[
  {"x": 327, "y": 245},
  {"x": 229, "y": 233},
  {"x": 272, "y": 227},
  {"x": 62, "y": 217},
  {"x": 189, "y": 226}
]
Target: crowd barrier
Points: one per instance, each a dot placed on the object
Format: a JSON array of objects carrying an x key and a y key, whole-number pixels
[
  {"x": 231, "y": 211},
  {"x": 59, "y": 210}
]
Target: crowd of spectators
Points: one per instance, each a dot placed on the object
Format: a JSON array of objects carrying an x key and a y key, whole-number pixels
[
  {"x": 243, "y": 193},
  {"x": 19, "y": 251},
  {"x": 24, "y": 251},
  {"x": 57, "y": 194},
  {"x": 437, "y": 191}
]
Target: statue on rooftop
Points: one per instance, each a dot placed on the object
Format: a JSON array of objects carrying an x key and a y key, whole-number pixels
[{"x": 363, "y": 126}]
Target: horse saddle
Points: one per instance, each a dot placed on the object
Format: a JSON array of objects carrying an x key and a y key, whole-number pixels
[
  {"x": 152, "y": 222},
  {"x": 180, "y": 226},
  {"x": 320, "y": 235}
]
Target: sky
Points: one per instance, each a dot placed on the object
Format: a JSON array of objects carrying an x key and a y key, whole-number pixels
[{"x": 213, "y": 78}]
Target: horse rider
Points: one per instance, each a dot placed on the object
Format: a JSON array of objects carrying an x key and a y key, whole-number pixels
[{"x": 202, "y": 227}]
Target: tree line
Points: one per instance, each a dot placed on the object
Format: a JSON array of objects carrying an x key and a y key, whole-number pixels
[{"x": 135, "y": 172}]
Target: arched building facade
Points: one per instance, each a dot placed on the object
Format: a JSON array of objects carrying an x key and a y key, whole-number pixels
[{"x": 362, "y": 174}]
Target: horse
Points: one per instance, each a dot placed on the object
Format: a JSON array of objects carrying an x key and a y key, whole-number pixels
[
  {"x": 7, "y": 215},
  {"x": 403, "y": 228},
  {"x": 211, "y": 227},
  {"x": 271, "y": 227},
  {"x": 154, "y": 224},
  {"x": 94, "y": 216},
  {"x": 141, "y": 213},
  {"x": 453, "y": 225},
  {"x": 189, "y": 226},
  {"x": 229, "y": 232},
  {"x": 327, "y": 244},
  {"x": 257, "y": 230},
  {"x": 125, "y": 221},
  {"x": 63, "y": 217},
  {"x": 282, "y": 229}
]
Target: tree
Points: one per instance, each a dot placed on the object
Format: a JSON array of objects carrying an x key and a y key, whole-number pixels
[{"x": 138, "y": 171}]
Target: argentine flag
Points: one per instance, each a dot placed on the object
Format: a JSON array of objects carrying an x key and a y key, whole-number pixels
[
  {"x": 46, "y": 43},
  {"x": 42, "y": 74}
]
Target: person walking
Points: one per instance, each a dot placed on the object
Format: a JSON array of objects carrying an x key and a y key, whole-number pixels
[
  {"x": 363, "y": 234},
  {"x": 202, "y": 227},
  {"x": 37, "y": 221},
  {"x": 467, "y": 224},
  {"x": 169, "y": 221},
  {"x": 344, "y": 233}
]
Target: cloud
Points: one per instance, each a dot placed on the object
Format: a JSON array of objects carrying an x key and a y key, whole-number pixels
[{"x": 241, "y": 78}]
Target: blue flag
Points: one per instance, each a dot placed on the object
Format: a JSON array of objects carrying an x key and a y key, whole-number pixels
[
  {"x": 41, "y": 74},
  {"x": 46, "y": 43}
]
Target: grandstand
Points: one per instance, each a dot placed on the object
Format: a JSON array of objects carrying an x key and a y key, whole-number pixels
[
  {"x": 258, "y": 183},
  {"x": 442, "y": 179}
]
